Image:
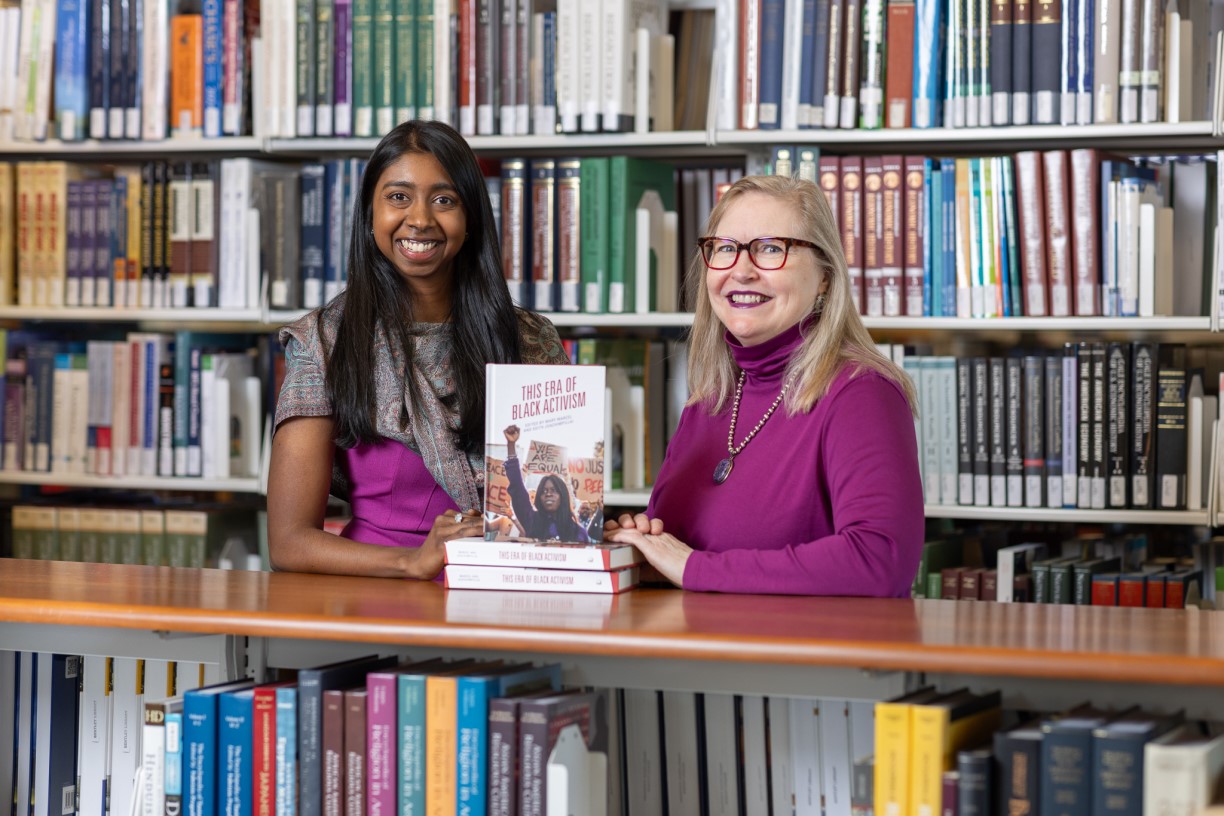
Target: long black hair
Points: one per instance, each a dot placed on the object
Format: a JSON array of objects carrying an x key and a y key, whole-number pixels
[
  {"x": 483, "y": 326},
  {"x": 567, "y": 525}
]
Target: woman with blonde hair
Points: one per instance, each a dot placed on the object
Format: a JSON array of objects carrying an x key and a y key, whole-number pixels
[{"x": 794, "y": 468}]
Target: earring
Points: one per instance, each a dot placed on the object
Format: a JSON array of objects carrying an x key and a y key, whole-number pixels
[{"x": 819, "y": 306}]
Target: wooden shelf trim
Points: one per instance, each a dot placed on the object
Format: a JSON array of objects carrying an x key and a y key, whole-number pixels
[
  {"x": 1180, "y": 647},
  {"x": 28, "y": 477}
]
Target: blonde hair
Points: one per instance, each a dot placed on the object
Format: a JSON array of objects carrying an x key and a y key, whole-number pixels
[{"x": 835, "y": 339}]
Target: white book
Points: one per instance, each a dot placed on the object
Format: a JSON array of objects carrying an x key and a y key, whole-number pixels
[
  {"x": 269, "y": 75},
  {"x": 568, "y": 88},
  {"x": 589, "y": 63},
  {"x": 1175, "y": 107},
  {"x": 155, "y": 70},
  {"x": 805, "y": 716},
  {"x": 441, "y": 56},
  {"x": 61, "y": 379},
  {"x": 835, "y": 757},
  {"x": 121, "y": 407},
  {"x": 680, "y": 724},
  {"x": 23, "y": 127},
  {"x": 9, "y": 49},
  {"x": 78, "y": 415},
  {"x": 862, "y": 729},
  {"x": 726, "y": 64},
  {"x": 749, "y": 91},
  {"x": 477, "y": 551},
  {"x": 1200, "y": 417},
  {"x": 1180, "y": 771},
  {"x": 153, "y": 760},
  {"x": 127, "y": 710},
  {"x": 619, "y": 65},
  {"x": 644, "y": 61},
  {"x": 792, "y": 60},
  {"x": 286, "y": 68},
  {"x": 1152, "y": 286},
  {"x": 754, "y": 739},
  {"x": 781, "y": 771},
  {"x": 930, "y": 398},
  {"x": 464, "y": 576},
  {"x": 44, "y": 69},
  {"x": 235, "y": 177},
  {"x": 643, "y": 753},
  {"x": 661, "y": 82},
  {"x": 220, "y": 428},
  {"x": 722, "y": 763},
  {"x": 1008, "y": 557},
  {"x": 93, "y": 736}
]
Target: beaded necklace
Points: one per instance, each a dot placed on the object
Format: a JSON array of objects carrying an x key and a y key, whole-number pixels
[{"x": 723, "y": 469}]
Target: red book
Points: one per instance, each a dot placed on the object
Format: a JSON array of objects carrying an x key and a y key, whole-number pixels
[
  {"x": 1030, "y": 210},
  {"x": 899, "y": 78},
  {"x": 828, "y": 175},
  {"x": 1085, "y": 226},
  {"x": 467, "y": 67},
  {"x": 873, "y": 236},
  {"x": 970, "y": 584},
  {"x": 988, "y": 585},
  {"x": 1105, "y": 589},
  {"x": 263, "y": 750},
  {"x": 852, "y": 226},
  {"x": 951, "y": 583},
  {"x": 915, "y": 232},
  {"x": 892, "y": 229},
  {"x": 333, "y": 752},
  {"x": 1132, "y": 590},
  {"x": 1058, "y": 234},
  {"x": 1155, "y": 592}
]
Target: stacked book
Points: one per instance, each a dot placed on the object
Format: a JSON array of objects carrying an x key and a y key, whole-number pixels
[
  {"x": 544, "y": 487},
  {"x": 542, "y": 566}
]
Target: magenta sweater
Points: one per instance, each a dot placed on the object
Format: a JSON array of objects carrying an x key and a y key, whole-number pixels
[{"x": 823, "y": 503}]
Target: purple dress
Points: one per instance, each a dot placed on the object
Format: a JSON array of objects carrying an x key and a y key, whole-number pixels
[
  {"x": 827, "y": 502},
  {"x": 394, "y": 497}
]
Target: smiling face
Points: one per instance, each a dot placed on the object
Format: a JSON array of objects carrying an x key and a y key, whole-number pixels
[
  {"x": 418, "y": 221},
  {"x": 757, "y": 305},
  {"x": 549, "y": 496}
]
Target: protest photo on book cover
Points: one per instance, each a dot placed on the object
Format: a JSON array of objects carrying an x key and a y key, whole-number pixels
[{"x": 544, "y": 453}]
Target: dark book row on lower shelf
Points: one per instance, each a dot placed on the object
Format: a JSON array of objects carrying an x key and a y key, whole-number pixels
[{"x": 370, "y": 736}]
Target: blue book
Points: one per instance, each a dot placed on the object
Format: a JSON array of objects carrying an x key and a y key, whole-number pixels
[
  {"x": 200, "y": 747},
  {"x": 99, "y": 67},
  {"x": 235, "y": 726},
  {"x": 1004, "y": 271},
  {"x": 1066, "y": 761},
  {"x": 932, "y": 271},
  {"x": 1085, "y": 43},
  {"x": 820, "y": 61},
  {"x": 1070, "y": 80},
  {"x": 286, "y": 750},
  {"x": 40, "y": 358},
  {"x": 928, "y": 63},
  {"x": 212, "y": 68},
  {"x": 314, "y": 238},
  {"x": 58, "y": 677},
  {"x": 773, "y": 24},
  {"x": 472, "y": 726},
  {"x": 948, "y": 171},
  {"x": 334, "y": 219},
  {"x": 71, "y": 69},
  {"x": 547, "y": 119},
  {"x": 806, "y": 73},
  {"x": 174, "y": 762},
  {"x": 1011, "y": 226},
  {"x": 132, "y": 67},
  {"x": 1120, "y": 745}
]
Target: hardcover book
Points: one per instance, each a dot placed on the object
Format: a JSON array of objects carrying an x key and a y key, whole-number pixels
[{"x": 544, "y": 453}]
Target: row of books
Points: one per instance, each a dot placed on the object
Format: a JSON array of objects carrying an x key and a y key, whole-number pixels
[
  {"x": 1055, "y": 233},
  {"x": 217, "y": 536},
  {"x": 1081, "y": 760},
  {"x": 1095, "y": 426},
  {"x": 127, "y": 69},
  {"x": 144, "y": 404},
  {"x": 867, "y": 64}
]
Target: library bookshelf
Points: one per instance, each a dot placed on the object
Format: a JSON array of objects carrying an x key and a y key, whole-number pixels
[{"x": 861, "y": 648}]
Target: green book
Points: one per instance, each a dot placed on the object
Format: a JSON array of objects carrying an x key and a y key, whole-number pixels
[
  {"x": 593, "y": 210},
  {"x": 363, "y": 67},
  {"x": 424, "y": 78},
  {"x": 91, "y": 535},
  {"x": 45, "y": 536},
  {"x": 68, "y": 530},
  {"x": 324, "y": 69},
  {"x": 127, "y": 537},
  {"x": 382, "y": 32},
  {"x": 405, "y": 39},
  {"x": 629, "y": 178},
  {"x": 153, "y": 538},
  {"x": 307, "y": 66},
  {"x": 23, "y": 532}
]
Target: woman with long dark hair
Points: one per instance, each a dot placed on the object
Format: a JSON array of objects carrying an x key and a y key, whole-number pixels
[
  {"x": 551, "y": 516},
  {"x": 383, "y": 400}
]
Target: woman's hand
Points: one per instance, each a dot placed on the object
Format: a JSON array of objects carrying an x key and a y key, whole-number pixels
[
  {"x": 640, "y": 522},
  {"x": 663, "y": 551},
  {"x": 512, "y": 435},
  {"x": 431, "y": 555}
]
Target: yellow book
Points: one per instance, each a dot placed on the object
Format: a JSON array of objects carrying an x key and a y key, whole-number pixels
[
  {"x": 940, "y": 728},
  {"x": 8, "y": 232},
  {"x": 892, "y": 731},
  {"x": 441, "y": 738},
  {"x": 25, "y": 234},
  {"x": 54, "y": 272}
]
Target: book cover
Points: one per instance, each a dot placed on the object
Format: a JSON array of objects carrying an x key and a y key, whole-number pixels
[
  {"x": 544, "y": 453},
  {"x": 549, "y": 555}
]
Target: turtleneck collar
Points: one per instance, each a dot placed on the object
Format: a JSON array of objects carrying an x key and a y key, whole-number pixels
[{"x": 766, "y": 361}]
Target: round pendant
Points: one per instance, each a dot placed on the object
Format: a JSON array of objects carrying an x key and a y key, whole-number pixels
[{"x": 722, "y": 471}]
